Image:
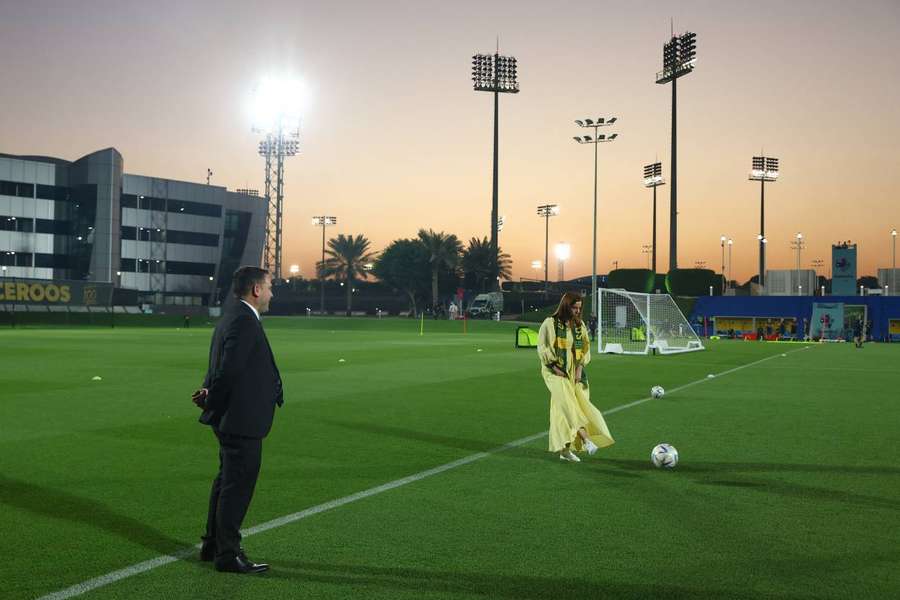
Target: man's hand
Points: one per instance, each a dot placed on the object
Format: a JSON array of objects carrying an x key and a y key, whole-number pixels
[
  {"x": 578, "y": 373},
  {"x": 199, "y": 397}
]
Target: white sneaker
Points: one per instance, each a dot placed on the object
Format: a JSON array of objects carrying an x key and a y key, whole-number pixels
[
  {"x": 591, "y": 447},
  {"x": 569, "y": 456}
]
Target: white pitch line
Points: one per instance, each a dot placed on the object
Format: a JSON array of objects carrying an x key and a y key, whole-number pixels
[{"x": 142, "y": 567}]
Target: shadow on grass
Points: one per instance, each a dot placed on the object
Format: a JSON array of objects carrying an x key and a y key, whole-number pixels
[
  {"x": 57, "y": 504},
  {"x": 441, "y": 440},
  {"x": 739, "y": 475},
  {"x": 517, "y": 587}
]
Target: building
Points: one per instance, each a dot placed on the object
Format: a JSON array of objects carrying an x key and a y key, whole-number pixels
[
  {"x": 170, "y": 242},
  {"x": 791, "y": 282}
]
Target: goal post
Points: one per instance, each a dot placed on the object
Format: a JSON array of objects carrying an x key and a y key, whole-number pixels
[{"x": 635, "y": 323}]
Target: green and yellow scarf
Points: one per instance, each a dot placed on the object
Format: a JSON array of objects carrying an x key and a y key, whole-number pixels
[{"x": 562, "y": 346}]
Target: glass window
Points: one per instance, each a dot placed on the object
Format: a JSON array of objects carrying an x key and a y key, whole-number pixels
[
  {"x": 7, "y": 188},
  {"x": 25, "y": 190},
  {"x": 127, "y": 265},
  {"x": 193, "y": 238},
  {"x": 128, "y": 201},
  {"x": 25, "y": 225},
  {"x": 129, "y": 233},
  {"x": 174, "y": 267},
  {"x": 24, "y": 259}
]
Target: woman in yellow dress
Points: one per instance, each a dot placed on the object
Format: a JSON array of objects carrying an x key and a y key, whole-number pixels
[{"x": 564, "y": 348}]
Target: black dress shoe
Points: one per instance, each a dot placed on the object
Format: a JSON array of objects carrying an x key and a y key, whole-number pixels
[
  {"x": 207, "y": 552},
  {"x": 241, "y": 564}
]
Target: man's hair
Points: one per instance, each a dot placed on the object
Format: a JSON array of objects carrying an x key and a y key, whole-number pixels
[{"x": 245, "y": 278}]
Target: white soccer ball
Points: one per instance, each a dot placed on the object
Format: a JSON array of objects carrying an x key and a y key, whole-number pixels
[
  {"x": 657, "y": 391},
  {"x": 664, "y": 456}
]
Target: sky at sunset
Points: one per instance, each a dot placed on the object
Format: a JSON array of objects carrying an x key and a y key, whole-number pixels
[{"x": 395, "y": 138}]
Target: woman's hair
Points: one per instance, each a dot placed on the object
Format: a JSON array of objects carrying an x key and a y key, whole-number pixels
[{"x": 564, "y": 311}]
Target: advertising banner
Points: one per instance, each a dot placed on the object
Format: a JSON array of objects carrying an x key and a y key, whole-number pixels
[{"x": 56, "y": 293}]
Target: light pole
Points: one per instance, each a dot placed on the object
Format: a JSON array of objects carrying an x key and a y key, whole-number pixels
[
  {"x": 798, "y": 244},
  {"x": 323, "y": 222},
  {"x": 722, "y": 240},
  {"x": 765, "y": 168},
  {"x": 653, "y": 179},
  {"x": 648, "y": 250},
  {"x": 277, "y": 106},
  {"x": 817, "y": 264},
  {"x": 595, "y": 140},
  {"x": 497, "y": 74},
  {"x": 893, "y": 261},
  {"x": 730, "y": 244},
  {"x": 679, "y": 56},
  {"x": 563, "y": 251},
  {"x": 547, "y": 211}
]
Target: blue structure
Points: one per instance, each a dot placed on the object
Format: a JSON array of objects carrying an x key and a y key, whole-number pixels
[{"x": 880, "y": 310}]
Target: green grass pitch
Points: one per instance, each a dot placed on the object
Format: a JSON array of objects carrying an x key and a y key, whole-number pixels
[{"x": 787, "y": 486}]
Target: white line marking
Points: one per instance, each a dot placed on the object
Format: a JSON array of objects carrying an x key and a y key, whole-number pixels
[{"x": 159, "y": 561}]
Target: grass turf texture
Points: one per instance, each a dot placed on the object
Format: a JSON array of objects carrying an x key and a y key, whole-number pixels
[{"x": 786, "y": 487}]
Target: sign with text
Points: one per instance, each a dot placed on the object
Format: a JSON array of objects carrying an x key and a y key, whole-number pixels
[{"x": 39, "y": 291}]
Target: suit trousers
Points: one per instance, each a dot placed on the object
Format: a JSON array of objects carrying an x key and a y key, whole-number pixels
[{"x": 232, "y": 489}]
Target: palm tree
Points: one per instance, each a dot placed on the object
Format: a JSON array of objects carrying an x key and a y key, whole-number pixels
[
  {"x": 443, "y": 253},
  {"x": 347, "y": 259},
  {"x": 478, "y": 262}
]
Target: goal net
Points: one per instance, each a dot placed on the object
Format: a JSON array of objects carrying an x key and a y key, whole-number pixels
[{"x": 634, "y": 323}]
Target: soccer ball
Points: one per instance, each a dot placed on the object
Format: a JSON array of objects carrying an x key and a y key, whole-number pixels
[
  {"x": 664, "y": 456},
  {"x": 657, "y": 391}
]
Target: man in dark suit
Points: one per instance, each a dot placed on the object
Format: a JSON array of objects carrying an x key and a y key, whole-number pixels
[{"x": 238, "y": 398}]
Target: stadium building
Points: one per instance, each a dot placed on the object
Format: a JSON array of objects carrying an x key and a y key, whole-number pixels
[{"x": 154, "y": 241}]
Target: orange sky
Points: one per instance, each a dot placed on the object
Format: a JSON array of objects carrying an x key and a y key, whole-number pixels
[{"x": 396, "y": 139}]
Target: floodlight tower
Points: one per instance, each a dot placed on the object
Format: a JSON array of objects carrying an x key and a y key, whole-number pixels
[
  {"x": 323, "y": 222},
  {"x": 547, "y": 211},
  {"x": 798, "y": 244},
  {"x": 653, "y": 178},
  {"x": 893, "y": 261},
  {"x": 679, "y": 56},
  {"x": 277, "y": 116},
  {"x": 765, "y": 168},
  {"x": 497, "y": 74},
  {"x": 595, "y": 140}
]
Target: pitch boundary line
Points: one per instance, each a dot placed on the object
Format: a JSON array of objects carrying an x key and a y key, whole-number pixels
[{"x": 147, "y": 565}]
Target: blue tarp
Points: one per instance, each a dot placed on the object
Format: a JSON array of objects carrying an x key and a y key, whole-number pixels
[{"x": 880, "y": 309}]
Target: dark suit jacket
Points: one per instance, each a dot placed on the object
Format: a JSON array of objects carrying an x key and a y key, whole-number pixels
[{"x": 243, "y": 381}]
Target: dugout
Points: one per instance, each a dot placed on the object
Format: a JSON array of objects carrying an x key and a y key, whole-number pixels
[{"x": 883, "y": 312}]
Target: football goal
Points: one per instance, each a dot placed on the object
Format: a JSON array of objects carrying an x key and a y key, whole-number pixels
[{"x": 634, "y": 323}]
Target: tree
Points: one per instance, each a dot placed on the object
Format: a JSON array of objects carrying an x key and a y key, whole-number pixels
[
  {"x": 479, "y": 265},
  {"x": 347, "y": 257},
  {"x": 404, "y": 265},
  {"x": 443, "y": 253}
]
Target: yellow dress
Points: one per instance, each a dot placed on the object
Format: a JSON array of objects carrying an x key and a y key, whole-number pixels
[{"x": 570, "y": 401}]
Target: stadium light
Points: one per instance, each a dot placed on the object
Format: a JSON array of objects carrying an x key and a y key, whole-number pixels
[
  {"x": 563, "y": 251},
  {"x": 496, "y": 74},
  {"x": 536, "y": 265},
  {"x": 764, "y": 168},
  {"x": 595, "y": 140},
  {"x": 653, "y": 179},
  {"x": 679, "y": 58},
  {"x": 323, "y": 222},
  {"x": 276, "y": 108},
  {"x": 294, "y": 270},
  {"x": 547, "y": 211}
]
